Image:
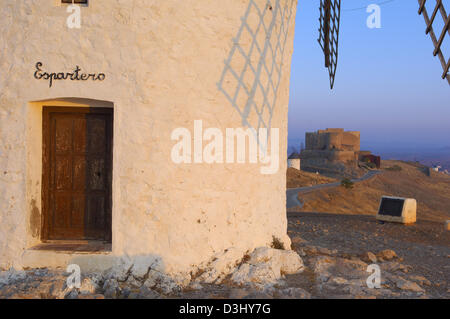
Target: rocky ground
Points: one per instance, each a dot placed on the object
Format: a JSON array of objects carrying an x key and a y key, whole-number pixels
[{"x": 335, "y": 250}]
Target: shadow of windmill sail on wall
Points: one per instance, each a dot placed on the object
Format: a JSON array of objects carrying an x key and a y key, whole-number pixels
[
  {"x": 253, "y": 70},
  {"x": 330, "y": 17}
]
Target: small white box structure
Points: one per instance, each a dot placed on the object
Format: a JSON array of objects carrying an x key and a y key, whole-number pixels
[
  {"x": 294, "y": 163},
  {"x": 397, "y": 210}
]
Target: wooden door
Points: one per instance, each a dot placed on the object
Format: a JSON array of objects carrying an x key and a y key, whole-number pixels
[{"x": 77, "y": 173}]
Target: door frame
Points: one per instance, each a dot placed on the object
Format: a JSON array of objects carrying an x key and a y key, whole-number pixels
[{"x": 46, "y": 161}]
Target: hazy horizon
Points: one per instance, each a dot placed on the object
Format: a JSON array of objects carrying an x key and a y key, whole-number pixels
[{"x": 388, "y": 83}]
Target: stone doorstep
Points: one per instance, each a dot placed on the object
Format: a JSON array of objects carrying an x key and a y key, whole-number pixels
[
  {"x": 36, "y": 257},
  {"x": 74, "y": 246}
]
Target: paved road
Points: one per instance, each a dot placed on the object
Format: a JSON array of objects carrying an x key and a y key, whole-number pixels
[{"x": 292, "y": 193}]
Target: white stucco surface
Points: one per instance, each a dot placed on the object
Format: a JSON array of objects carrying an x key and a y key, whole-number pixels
[{"x": 163, "y": 61}]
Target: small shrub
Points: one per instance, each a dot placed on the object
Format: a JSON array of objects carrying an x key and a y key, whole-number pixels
[
  {"x": 277, "y": 244},
  {"x": 347, "y": 183},
  {"x": 372, "y": 165},
  {"x": 245, "y": 259}
]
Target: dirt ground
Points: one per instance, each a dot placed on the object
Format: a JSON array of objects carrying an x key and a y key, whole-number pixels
[
  {"x": 431, "y": 192},
  {"x": 296, "y": 179}
]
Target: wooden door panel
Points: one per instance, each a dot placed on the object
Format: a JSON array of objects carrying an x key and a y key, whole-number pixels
[
  {"x": 96, "y": 174},
  {"x": 77, "y": 173},
  {"x": 97, "y": 134},
  {"x": 79, "y": 136},
  {"x": 62, "y": 209},
  {"x": 63, "y": 135},
  {"x": 63, "y": 173},
  {"x": 78, "y": 211},
  {"x": 95, "y": 215}
]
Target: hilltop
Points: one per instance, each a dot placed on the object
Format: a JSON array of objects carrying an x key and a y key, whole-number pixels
[
  {"x": 296, "y": 179},
  {"x": 398, "y": 178}
]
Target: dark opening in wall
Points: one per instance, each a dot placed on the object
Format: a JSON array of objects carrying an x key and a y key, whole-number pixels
[{"x": 75, "y": 1}]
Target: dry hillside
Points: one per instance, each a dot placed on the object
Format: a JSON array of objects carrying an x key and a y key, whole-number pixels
[
  {"x": 432, "y": 193},
  {"x": 296, "y": 179}
]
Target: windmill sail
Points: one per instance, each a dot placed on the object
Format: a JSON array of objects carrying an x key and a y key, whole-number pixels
[
  {"x": 437, "y": 42},
  {"x": 330, "y": 16}
]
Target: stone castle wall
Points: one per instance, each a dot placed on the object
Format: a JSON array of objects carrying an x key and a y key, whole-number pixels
[
  {"x": 333, "y": 139},
  {"x": 329, "y": 146}
]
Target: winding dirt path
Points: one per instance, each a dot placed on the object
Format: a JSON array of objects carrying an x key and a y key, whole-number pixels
[{"x": 292, "y": 194}]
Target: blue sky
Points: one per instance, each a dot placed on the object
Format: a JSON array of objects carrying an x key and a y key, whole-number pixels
[{"x": 388, "y": 83}]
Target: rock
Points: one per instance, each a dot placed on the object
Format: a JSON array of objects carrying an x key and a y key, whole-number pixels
[
  {"x": 4, "y": 278},
  {"x": 142, "y": 264},
  {"x": 267, "y": 265},
  {"x": 12, "y": 276},
  {"x": 17, "y": 275},
  {"x": 263, "y": 254},
  {"x": 258, "y": 295},
  {"x": 161, "y": 282},
  {"x": 133, "y": 282},
  {"x": 72, "y": 294},
  {"x": 404, "y": 284},
  {"x": 387, "y": 254},
  {"x": 88, "y": 287},
  {"x": 365, "y": 297},
  {"x": 320, "y": 267},
  {"x": 54, "y": 288},
  {"x": 221, "y": 266},
  {"x": 300, "y": 252},
  {"x": 385, "y": 293},
  {"x": 291, "y": 263},
  {"x": 354, "y": 290},
  {"x": 260, "y": 274},
  {"x": 393, "y": 266},
  {"x": 339, "y": 280},
  {"x": 120, "y": 271},
  {"x": 60, "y": 289},
  {"x": 297, "y": 240},
  {"x": 41, "y": 272},
  {"x": 369, "y": 257},
  {"x": 311, "y": 250},
  {"x": 96, "y": 278},
  {"x": 111, "y": 288},
  {"x": 326, "y": 251},
  {"x": 91, "y": 296},
  {"x": 288, "y": 261},
  {"x": 238, "y": 293},
  {"x": 195, "y": 286},
  {"x": 294, "y": 293},
  {"x": 421, "y": 280},
  {"x": 124, "y": 292},
  {"x": 145, "y": 293}
]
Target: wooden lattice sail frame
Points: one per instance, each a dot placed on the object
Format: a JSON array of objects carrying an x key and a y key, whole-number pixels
[
  {"x": 437, "y": 42},
  {"x": 330, "y": 16}
]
